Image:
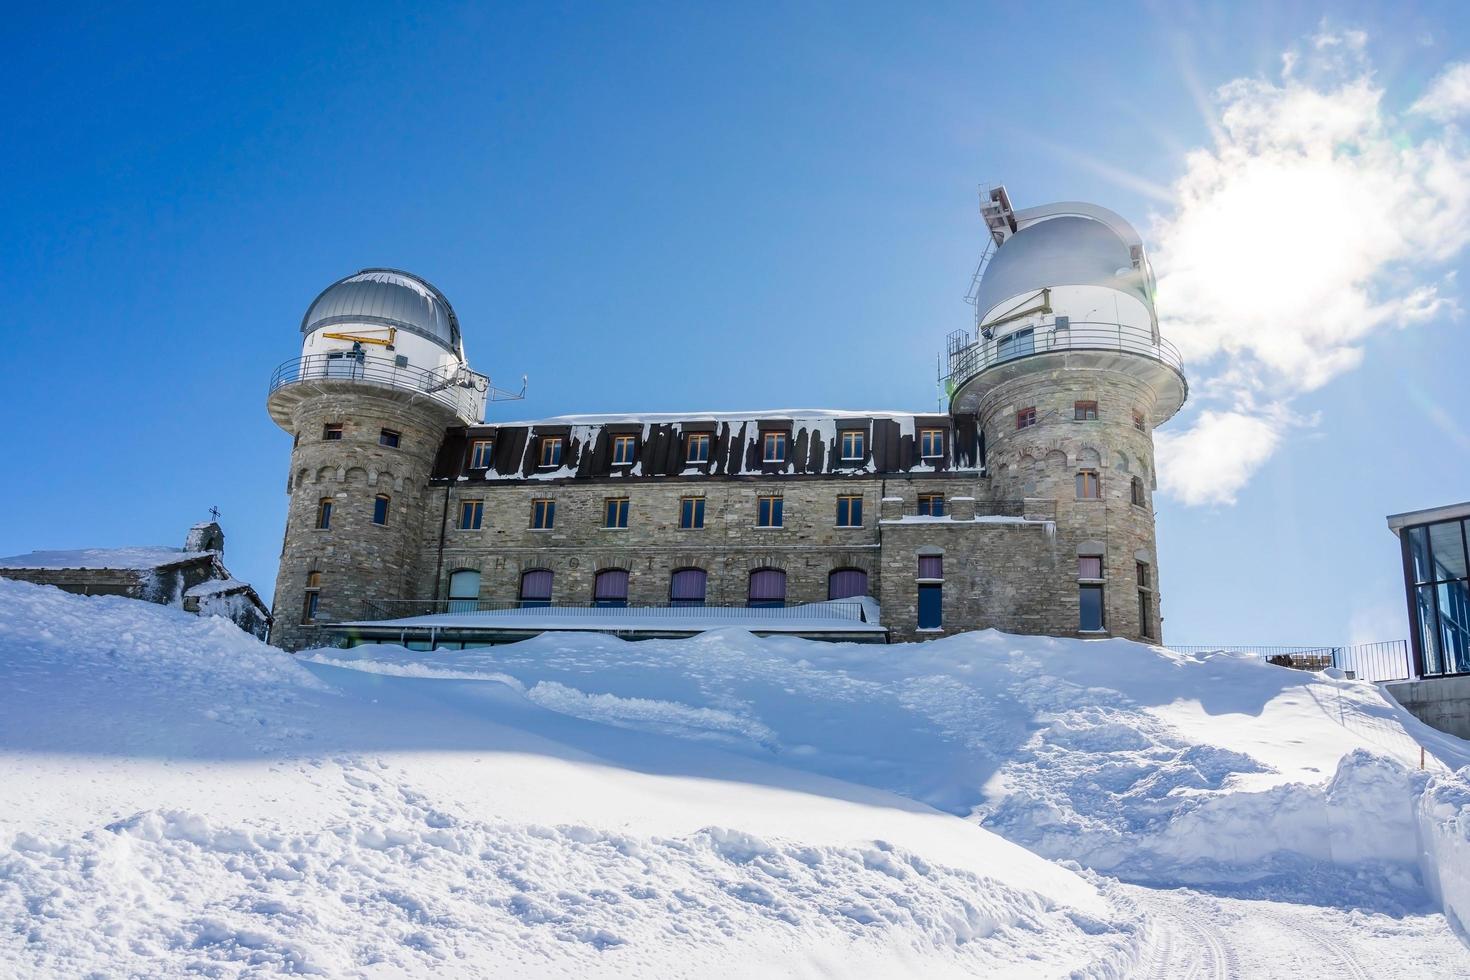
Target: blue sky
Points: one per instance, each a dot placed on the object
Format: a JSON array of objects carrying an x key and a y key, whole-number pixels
[{"x": 649, "y": 207}]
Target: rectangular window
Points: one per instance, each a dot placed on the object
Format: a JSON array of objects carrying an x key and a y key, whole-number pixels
[
  {"x": 696, "y": 447},
  {"x": 482, "y": 451},
  {"x": 1138, "y": 421},
  {"x": 852, "y": 445},
  {"x": 931, "y": 607},
  {"x": 622, "y": 450},
  {"x": 470, "y": 514},
  {"x": 1026, "y": 418},
  {"x": 1088, "y": 487},
  {"x": 1084, "y": 411},
  {"x": 931, "y": 505},
  {"x": 768, "y": 512},
  {"x": 1144, "y": 579},
  {"x": 1089, "y": 566},
  {"x": 1017, "y": 344},
  {"x": 324, "y": 514},
  {"x": 615, "y": 512},
  {"x": 389, "y": 438},
  {"x": 691, "y": 513},
  {"x": 1145, "y": 614},
  {"x": 1090, "y": 608},
  {"x": 380, "y": 509},
  {"x": 850, "y": 510},
  {"x": 931, "y": 443},
  {"x": 313, "y": 596},
  {"x": 332, "y": 431},
  {"x": 551, "y": 450},
  {"x": 931, "y": 566},
  {"x": 543, "y": 515},
  {"x": 774, "y": 447}
]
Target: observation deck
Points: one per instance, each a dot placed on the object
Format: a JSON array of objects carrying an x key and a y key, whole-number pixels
[
  {"x": 460, "y": 390},
  {"x": 1049, "y": 343}
]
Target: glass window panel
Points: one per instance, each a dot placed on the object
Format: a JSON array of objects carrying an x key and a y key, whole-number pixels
[
  {"x": 844, "y": 583},
  {"x": 1448, "y": 549},
  {"x": 1090, "y": 602},
  {"x": 1419, "y": 552},
  {"x": 931, "y": 607},
  {"x": 1090, "y": 567},
  {"x": 686, "y": 587},
  {"x": 611, "y": 587},
  {"x": 1428, "y": 629},
  {"x": 536, "y": 587},
  {"x": 931, "y": 566},
  {"x": 767, "y": 587},
  {"x": 1454, "y": 625}
]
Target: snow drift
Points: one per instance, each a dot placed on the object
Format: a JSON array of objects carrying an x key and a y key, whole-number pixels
[{"x": 181, "y": 798}]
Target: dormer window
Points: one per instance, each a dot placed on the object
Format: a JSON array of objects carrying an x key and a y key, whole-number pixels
[
  {"x": 550, "y": 451},
  {"x": 622, "y": 450},
  {"x": 482, "y": 451},
  {"x": 774, "y": 447},
  {"x": 931, "y": 443},
  {"x": 696, "y": 447},
  {"x": 852, "y": 445}
]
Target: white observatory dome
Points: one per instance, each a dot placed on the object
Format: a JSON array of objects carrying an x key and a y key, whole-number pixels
[
  {"x": 1098, "y": 249},
  {"x": 387, "y": 298}
]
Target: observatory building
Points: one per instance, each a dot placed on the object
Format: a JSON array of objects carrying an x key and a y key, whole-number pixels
[{"x": 1026, "y": 507}]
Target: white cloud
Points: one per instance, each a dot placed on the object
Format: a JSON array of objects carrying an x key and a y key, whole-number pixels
[
  {"x": 1448, "y": 96},
  {"x": 1312, "y": 223}
]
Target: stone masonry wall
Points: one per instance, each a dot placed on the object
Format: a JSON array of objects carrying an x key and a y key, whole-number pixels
[
  {"x": 1042, "y": 461},
  {"x": 357, "y": 559}
]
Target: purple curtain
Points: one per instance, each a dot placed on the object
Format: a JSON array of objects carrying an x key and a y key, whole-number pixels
[
  {"x": 687, "y": 585},
  {"x": 611, "y": 584},
  {"x": 536, "y": 584},
  {"x": 846, "y": 583},
  {"x": 768, "y": 584},
  {"x": 931, "y": 566}
]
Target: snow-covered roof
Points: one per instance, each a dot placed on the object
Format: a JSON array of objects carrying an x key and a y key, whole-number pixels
[
  {"x": 217, "y": 586},
  {"x": 813, "y": 618},
  {"x": 139, "y": 558},
  {"x": 747, "y": 416}
]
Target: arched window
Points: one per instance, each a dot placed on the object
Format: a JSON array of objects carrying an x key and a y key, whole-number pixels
[
  {"x": 1138, "y": 498},
  {"x": 536, "y": 587},
  {"x": 844, "y": 583},
  {"x": 324, "y": 514},
  {"x": 380, "y": 509},
  {"x": 767, "y": 588},
  {"x": 611, "y": 587},
  {"x": 464, "y": 590},
  {"x": 686, "y": 587}
]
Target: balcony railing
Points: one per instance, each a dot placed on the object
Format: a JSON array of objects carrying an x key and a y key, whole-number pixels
[
  {"x": 376, "y": 610},
  {"x": 459, "y": 388},
  {"x": 1050, "y": 336}
]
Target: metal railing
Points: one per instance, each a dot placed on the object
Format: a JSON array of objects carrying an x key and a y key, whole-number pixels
[
  {"x": 375, "y": 610},
  {"x": 1049, "y": 337},
  {"x": 461, "y": 389},
  {"x": 1386, "y": 661}
]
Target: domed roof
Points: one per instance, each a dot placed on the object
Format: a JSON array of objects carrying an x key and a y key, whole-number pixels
[
  {"x": 1069, "y": 249},
  {"x": 388, "y": 298}
]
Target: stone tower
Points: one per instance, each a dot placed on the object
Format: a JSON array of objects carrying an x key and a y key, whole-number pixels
[
  {"x": 382, "y": 374},
  {"x": 1068, "y": 376}
]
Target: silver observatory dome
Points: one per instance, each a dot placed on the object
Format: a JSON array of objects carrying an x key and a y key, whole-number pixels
[
  {"x": 1068, "y": 244},
  {"x": 387, "y": 298}
]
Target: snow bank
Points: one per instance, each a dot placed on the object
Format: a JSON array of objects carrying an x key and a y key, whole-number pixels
[
  {"x": 180, "y": 799},
  {"x": 1444, "y": 839},
  {"x": 140, "y": 558},
  {"x": 1158, "y": 767}
]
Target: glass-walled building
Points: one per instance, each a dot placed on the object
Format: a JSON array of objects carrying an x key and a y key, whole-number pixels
[{"x": 1433, "y": 543}]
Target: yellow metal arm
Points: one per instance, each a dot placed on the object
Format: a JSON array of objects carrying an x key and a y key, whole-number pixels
[{"x": 358, "y": 338}]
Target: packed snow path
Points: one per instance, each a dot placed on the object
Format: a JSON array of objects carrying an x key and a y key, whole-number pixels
[{"x": 180, "y": 799}]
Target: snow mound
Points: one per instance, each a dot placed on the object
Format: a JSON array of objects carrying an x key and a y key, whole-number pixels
[
  {"x": 1157, "y": 767},
  {"x": 180, "y": 799}
]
